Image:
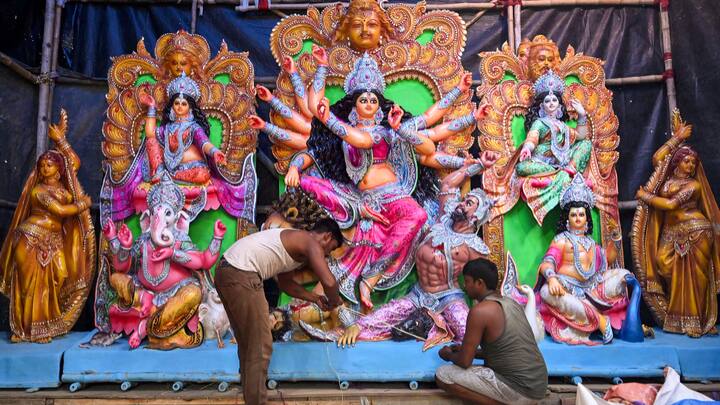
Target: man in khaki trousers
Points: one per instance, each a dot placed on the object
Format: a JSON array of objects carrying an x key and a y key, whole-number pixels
[{"x": 239, "y": 282}]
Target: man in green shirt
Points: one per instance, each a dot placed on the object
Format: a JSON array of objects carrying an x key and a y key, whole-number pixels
[{"x": 497, "y": 332}]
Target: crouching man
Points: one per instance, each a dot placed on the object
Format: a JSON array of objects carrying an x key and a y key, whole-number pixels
[{"x": 497, "y": 332}]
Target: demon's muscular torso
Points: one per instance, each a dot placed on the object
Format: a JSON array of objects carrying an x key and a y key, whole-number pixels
[{"x": 432, "y": 266}]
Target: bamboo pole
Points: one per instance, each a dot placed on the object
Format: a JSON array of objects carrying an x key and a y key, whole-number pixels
[
  {"x": 518, "y": 26},
  {"x": 45, "y": 80},
  {"x": 278, "y": 4},
  {"x": 303, "y": 6},
  {"x": 475, "y": 18},
  {"x": 55, "y": 49},
  {"x": 17, "y": 68},
  {"x": 621, "y": 81},
  {"x": 193, "y": 16},
  {"x": 278, "y": 13},
  {"x": 627, "y": 205},
  {"x": 573, "y": 3},
  {"x": 667, "y": 57},
  {"x": 509, "y": 10}
]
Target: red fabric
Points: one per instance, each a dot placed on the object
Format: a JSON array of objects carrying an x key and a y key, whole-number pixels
[
  {"x": 667, "y": 56},
  {"x": 263, "y": 4},
  {"x": 631, "y": 393},
  {"x": 668, "y": 74},
  {"x": 196, "y": 175},
  {"x": 664, "y": 4}
]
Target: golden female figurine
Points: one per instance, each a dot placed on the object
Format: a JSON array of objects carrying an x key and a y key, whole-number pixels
[
  {"x": 676, "y": 251},
  {"x": 48, "y": 257}
]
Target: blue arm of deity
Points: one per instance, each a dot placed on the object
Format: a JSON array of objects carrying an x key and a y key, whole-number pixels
[
  {"x": 291, "y": 139},
  {"x": 418, "y": 139},
  {"x": 296, "y": 121},
  {"x": 302, "y": 161},
  {"x": 440, "y": 160},
  {"x": 317, "y": 90},
  {"x": 443, "y": 131},
  {"x": 301, "y": 99},
  {"x": 348, "y": 133},
  {"x": 441, "y": 108}
]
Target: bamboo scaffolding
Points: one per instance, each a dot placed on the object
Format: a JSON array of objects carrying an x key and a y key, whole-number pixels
[
  {"x": 290, "y": 5},
  {"x": 622, "y": 81},
  {"x": 193, "y": 16},
  {"x": 575, "y": 3},
  {"x": 45, "y": 80},
  {"x": 627, "y": 205},
  {"x": 17, "y": 68},
  {"x": 303, "y": 6},
  {"x": 517, "y": 26},
  {"x": 667, "y": 57},
  {"x": 511, "y": 28},
  {"x": 475, "y": 18},
  {"x": 54, "y": 56}
]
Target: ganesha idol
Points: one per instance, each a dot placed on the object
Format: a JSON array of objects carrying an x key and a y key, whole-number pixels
[{"x": 158, "y": 292}]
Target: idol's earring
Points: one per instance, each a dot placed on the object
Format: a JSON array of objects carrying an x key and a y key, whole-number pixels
[
  {"x": 379, "y": 115},
  {"x": 353, "y": 117}
]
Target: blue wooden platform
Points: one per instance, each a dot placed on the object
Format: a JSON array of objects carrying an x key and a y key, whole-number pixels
[
  {"x": 21, "y": 364},
  {"x": 33, "y": 365},
  {"x": 118, "y": 363}
]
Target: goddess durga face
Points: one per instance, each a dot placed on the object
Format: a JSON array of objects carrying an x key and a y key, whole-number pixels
[{"x": 367, "y": 105}]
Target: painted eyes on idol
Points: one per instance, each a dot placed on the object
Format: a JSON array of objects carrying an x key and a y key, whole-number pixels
[
  {"x": 550, "y": 99},
  {"x": 371, "y": 100}
]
